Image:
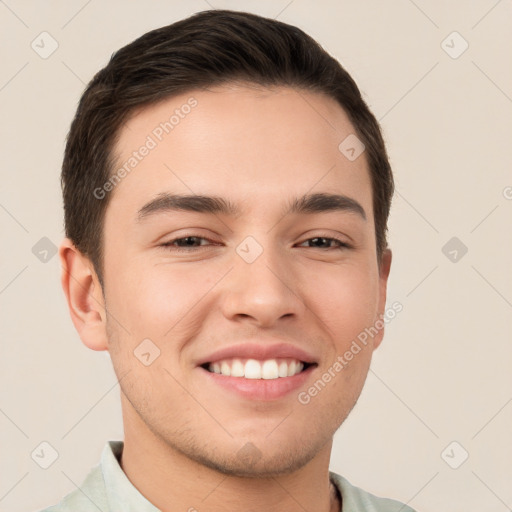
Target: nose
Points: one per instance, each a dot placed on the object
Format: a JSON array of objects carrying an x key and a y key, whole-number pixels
[{"x": 262, "y": 292}]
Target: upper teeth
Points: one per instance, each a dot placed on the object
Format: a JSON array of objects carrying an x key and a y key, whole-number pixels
[{"x": 254, "y": 369}]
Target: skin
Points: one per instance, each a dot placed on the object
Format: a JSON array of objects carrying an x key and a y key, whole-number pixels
[{"x": 259, "y": 148}]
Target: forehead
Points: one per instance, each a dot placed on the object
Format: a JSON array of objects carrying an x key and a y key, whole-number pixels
[{"x": 254, "y": 146}]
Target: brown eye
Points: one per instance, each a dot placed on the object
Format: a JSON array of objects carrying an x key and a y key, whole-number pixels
[
  {"x": 187, "y": 243},
  {"x": 322, "y": 242}
]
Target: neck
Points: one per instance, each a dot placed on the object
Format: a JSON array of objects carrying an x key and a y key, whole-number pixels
[{"x": 172, "y": 481}]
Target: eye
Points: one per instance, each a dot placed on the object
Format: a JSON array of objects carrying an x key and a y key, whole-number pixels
[
  {"x": 191, "y": 242},
  {"x": 186, "y": 243},
  {"x": 322, "y": 242}
]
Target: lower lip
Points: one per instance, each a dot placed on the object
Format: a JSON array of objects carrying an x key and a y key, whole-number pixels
[{"x": 260, "y": 389}]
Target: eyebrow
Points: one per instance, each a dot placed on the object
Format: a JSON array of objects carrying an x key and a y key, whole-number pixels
[{"x": 307, "y": 204}]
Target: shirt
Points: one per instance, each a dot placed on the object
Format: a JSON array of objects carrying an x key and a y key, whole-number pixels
[{"x": 107, "y": 489}]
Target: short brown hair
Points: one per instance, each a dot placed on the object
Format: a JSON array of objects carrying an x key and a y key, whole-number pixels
[{"x": 209, "y": 48}]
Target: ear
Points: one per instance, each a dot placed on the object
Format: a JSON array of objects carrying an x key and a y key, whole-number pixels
[
  {"x": 84, "y": 296},
  {"x": 384, "y": 268}
]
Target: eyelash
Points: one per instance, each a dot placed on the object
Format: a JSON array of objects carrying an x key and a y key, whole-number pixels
[{"x": 342, "y": 245}]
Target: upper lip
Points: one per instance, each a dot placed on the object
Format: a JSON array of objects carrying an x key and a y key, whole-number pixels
[{"x": 259, "y": 351}]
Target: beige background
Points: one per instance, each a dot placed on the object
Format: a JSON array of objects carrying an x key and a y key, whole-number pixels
[{"x": 443, "y": 371}]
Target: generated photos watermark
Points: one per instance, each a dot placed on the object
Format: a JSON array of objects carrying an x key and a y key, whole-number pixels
[
  {"x": 156, "y": 136},
  {"x": 342, "y": 361}
]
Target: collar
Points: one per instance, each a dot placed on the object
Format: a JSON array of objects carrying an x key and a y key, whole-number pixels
[{"x": 121, "y": 493}]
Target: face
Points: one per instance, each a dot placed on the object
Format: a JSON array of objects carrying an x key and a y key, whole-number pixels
[{"x": 268, "y": 283}]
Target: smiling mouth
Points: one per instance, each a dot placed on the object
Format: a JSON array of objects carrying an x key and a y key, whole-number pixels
[{"x": 254, "y": 369}]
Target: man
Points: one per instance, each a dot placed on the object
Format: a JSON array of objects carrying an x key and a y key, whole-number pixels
[{"x": 226, "y": 195}]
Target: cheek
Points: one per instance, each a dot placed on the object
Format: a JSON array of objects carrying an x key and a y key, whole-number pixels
[
  {"x": 159, "y": 300},
  {"x": 346, "y": 299}
]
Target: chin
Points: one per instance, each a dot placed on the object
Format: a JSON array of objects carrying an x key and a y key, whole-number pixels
[
  {"x": 256, "y": 458},
  {"x": 249, "y": 462}
]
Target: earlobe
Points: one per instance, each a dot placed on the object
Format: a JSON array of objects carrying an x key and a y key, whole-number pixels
[
  {"x": 84, "y": 296},
  {"x": 384, "y": 269}
]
